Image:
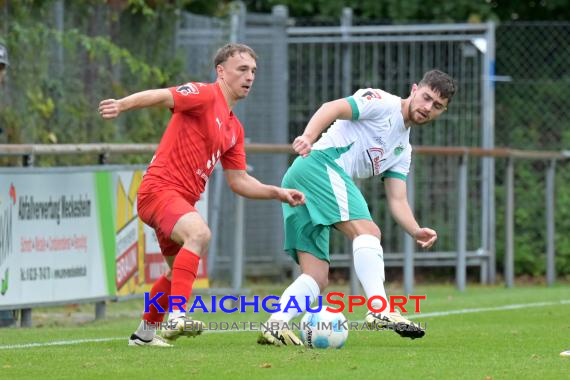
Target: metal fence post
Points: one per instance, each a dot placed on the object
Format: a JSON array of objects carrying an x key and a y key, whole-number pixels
[
  {"x": 280, "y": 74},
  {"x": 100, "y": 310},
  {"x": 509, "y": 224},
  {"x": 461, "y": 264},
  {"x": 409, "y": 243},
  {"x": 237, "y": 276},
  {"x": 237, "y": 22},
  {"x": 59, "y": 13},
  {"x": 26, "y": 314},
  {"x": 550, "y": 224},
  {"x": 26, "y": 317},
  {"x": 488, "y": 142},
  {"x": 279, "y": 108},
  {"x": 345, "y": 24}
]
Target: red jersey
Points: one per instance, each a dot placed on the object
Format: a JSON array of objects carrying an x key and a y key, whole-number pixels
[{"x": 201, "y": 131}]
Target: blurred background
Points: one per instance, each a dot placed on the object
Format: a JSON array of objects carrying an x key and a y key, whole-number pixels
[{"x": 510, "y": 60}]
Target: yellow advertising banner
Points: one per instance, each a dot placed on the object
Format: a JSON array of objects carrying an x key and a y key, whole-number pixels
[{"x": 139, "y": 262}]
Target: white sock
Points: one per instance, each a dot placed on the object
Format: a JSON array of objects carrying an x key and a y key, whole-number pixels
[
  {"x": 369, "y": 267},
  {"x": 145, "y": 332},
  {"x": 302, "y": 287}
]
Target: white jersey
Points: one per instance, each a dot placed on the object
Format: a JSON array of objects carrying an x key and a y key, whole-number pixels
[{"x": 376, "y": 140}]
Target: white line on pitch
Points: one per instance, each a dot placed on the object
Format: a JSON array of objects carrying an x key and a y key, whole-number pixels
[
  {"x": 422, "y": 315},
  {"x": 59, "y": 343},
  {"x": 484, "y": 309}
]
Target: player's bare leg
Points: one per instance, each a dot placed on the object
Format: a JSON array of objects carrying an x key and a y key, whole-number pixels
[{"x": 192, "y": 233}]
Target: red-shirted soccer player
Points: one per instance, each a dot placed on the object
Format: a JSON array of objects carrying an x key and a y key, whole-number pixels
[{"x": 202, "y": 131}]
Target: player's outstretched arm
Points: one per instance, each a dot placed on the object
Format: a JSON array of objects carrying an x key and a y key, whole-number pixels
[
  {"x": 247, "y": 186},
  {"x": 396, "y": 194},
  {"x": 321, "y": 120},
  {"x": 111, "y": 108}
]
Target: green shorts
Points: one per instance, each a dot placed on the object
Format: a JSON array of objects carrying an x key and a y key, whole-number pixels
[{"x": 331, "y": 197}]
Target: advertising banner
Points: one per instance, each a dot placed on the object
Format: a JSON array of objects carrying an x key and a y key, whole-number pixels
[
  {"x": 138, "y": 260},
  {"x": 51, "y": 234},
  {"x": 74, "y": 235}
]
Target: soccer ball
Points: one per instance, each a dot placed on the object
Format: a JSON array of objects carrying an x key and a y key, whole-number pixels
[{"x": 324, "y": 330}]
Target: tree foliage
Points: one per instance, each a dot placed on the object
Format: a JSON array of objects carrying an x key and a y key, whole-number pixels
[
  {"x": 58, "y": 75},
  {"x": 423, "y": 10}
]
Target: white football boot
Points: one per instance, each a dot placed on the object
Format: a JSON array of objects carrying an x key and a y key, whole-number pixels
[
  {"x": 182, "y": 326},
  {"x": 279, "y": 336},
  {"x": 403, "y": 326},
  {"x": 156, "y": 341}
]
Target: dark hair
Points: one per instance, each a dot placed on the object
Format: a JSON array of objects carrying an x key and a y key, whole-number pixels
[
  {"x": 439, "y": 82},
  {"x": 229, "y": 50}
]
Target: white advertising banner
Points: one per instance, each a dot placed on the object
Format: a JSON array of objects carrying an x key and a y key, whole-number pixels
[
  {"x": 74, "y": 235},
  {"x": 51, "y": 238}
]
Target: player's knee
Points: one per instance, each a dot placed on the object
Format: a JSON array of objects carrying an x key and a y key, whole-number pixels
[
  {"x": 203, "y": 236},
  {"x": 198, "y": 237},
  {"x": 322, "y": 281},
  {"x": 375, "y": 231}
]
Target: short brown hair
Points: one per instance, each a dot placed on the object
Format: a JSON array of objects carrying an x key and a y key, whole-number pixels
[
  {"x": 229, "y": 50},
  {"x": 439, "y": 82}
]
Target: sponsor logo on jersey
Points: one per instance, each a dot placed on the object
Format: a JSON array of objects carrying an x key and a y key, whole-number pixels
[
  {"x": 188, "y": 89},
  {"x": 379, "y": 140},
  {"x": 210, "y": 164},
  {"x": 399, "y": 149},
  {"x": 375, "y": 155},
  {"x": 370, "y": 93}
]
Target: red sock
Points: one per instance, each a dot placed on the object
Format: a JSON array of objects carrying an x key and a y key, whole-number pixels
[
  {"x": 162, "y": 285},
  {"x": 184, "y": 273}
]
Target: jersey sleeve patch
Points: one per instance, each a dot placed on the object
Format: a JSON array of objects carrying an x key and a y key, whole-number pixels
[
  {"x": 371, "y": 104},
  {"x": 192, "y": 97},
  {"x": 188, "y": 89},
  {"x": 370, "y": 93}
]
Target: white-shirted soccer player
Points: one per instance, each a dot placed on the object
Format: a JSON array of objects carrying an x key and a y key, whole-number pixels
[{"x": 369, "y": 137}]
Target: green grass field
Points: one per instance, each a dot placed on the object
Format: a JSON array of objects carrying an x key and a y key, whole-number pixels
[{"x": 493, "y": 343}]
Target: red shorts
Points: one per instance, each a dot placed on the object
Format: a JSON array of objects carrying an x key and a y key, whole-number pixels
[{"x": 161, "y": 211}]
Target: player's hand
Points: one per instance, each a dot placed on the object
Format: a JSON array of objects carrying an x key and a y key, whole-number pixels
[
  {"x": 302, "y": 146},
  {"x": 425, "y": 237},
  {"x": 291, "y": 196},
  {"x": 109, "y": 108}
]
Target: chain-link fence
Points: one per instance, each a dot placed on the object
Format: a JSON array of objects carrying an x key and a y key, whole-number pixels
[
  {"x": 532, "y": 112},
  {"x": 532, "y": 95},
  {"x": 328, "y": 63}
]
